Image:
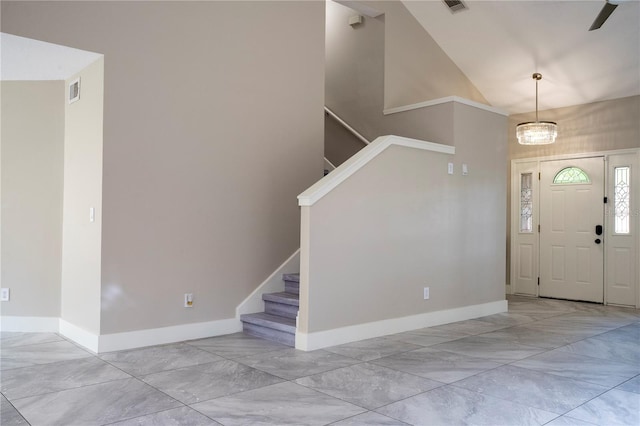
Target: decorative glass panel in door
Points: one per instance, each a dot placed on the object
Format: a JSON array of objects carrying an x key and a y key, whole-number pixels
[{"x": 621, "y": 199}]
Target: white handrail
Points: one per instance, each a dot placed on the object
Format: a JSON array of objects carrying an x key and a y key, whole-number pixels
[
  {"x": 346, "y": 126},
  {"x": 328, "y": 164}
]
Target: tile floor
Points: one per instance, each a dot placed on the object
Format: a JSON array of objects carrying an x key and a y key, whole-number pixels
[{"x": 544, "y": 362}]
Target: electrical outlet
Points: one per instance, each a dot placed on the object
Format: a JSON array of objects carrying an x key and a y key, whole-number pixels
[
  {"x": 450, "y": 168},
  {"x": 4, "y": 295},
  {"x": 188, "y": 300},
  {"x": 426, "y": 293}
]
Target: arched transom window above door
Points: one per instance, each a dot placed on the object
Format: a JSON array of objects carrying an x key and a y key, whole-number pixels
[{"x": 571, "y": 175}]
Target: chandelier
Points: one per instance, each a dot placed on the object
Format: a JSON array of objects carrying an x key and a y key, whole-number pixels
[{"x": 537, "y": 132}]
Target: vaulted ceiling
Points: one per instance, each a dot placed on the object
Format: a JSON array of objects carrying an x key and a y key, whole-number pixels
[
  {"x": 26, "y": 59},
  {"x": 500, "y": 44}
]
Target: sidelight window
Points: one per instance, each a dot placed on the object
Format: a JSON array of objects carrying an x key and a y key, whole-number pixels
[
  {"x": 526, "y": 202},
  {"x": 621, "y": 199}
]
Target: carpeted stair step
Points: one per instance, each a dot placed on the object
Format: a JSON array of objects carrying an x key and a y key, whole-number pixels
[
  {"x": 272, "y": 327},
  {"x": 291, "y": 283},
  {"x": 282, "y": 304}
]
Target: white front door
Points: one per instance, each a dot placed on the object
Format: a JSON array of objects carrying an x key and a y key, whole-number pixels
[{"x": 571, "y": 235}]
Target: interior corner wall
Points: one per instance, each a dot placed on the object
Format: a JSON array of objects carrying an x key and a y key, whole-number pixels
[
  {"x": 213, "y": 124},
  {"x": 354, "y": 87},
  {"x": 339, "y": 143},
  {"x": 356, "y": 81},
  {"x": 467, "y": 213},
  {"x": 595, "y": 127},
  {"x": 82, "y": 237},
  {"x": 416, "y": 69},
  {"x": 32, "y": 185}
]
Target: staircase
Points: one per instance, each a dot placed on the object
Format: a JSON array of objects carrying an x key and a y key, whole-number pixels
[{"x": 278, "y": 321}]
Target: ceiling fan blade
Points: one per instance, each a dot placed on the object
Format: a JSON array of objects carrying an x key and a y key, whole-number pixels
[{"x": 604, "y": 14}]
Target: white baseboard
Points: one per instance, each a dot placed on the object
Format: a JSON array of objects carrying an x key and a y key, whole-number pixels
[
  {"x": 80, "y": 336},
  {"x": 119, "y": 341},
  {"x": 29, "y": 324},
  {"x": 253, "y": 303},
  {"x": 164, "y": 335},
  {"x": 339, "y": 336},
  {"x": 156, "y": 336}
]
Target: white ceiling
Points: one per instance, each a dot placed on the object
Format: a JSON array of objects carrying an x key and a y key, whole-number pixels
[
  {"x": 500, "y": 44},
  {"x": 27, "y": 59}
]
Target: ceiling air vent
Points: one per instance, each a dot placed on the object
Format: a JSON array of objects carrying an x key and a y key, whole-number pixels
[{"x": 455, "y": 5}]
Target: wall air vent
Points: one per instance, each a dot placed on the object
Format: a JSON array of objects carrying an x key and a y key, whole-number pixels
[
  {"x": 74, "y": 90},
  {"x": 455, "y": 5}
]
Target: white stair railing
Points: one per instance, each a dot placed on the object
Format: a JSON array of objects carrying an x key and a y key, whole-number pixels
[{"x": 346, "y": 126}]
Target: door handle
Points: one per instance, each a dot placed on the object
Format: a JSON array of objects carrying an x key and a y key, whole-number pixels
[
  {"x": 598, "y": 229},
  {"x": 597, "y": 241}
]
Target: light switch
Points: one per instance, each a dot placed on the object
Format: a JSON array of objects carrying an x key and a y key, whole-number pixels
[
  {"x": 465, "y": 170},
  {"x": 450, "y": 168},
  {"x": 92, "y": 214}
]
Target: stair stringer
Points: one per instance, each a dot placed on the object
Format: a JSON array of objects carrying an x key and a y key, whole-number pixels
[{"x": 273, "y": 284}]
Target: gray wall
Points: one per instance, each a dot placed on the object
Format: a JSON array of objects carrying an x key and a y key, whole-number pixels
[
  {"x": 481, "y": 143},
  {"x": 402, "y": 223},
  {"x": 354, "y": 69},
  {"x": 213, "y": 123},
  {"x": 416, "y": 69},
  {"x": 376, "y": 240},
  {"x": 385, "y": 62},
  {"x": 81, "y": 238},
  {"x": 599, "y": 126},
  {"x": 32, "y": 187},
  {"x": 411, "y": 225},
  {"x": 339, "y": 143}
]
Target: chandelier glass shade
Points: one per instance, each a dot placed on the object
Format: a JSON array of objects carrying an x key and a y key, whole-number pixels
[{"x": 537, "y": 132}]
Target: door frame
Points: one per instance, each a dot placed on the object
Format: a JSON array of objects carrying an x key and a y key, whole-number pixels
[{"x": 527, "y": 283}]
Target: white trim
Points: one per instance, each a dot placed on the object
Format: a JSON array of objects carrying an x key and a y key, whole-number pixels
[
  {"x": 120, "y": 341},
  {"x": 339, "y": 336},
  {"x": 508, "y": 289},
  {"x": 328, "y": 165},
  {"x": 344, "y": 124},
  {"x": 576, "y": 156},
  {"x": 80, "y": 336},
  {"x": 29, "y": 324},
  {"x": 361, "y": 158},
  {"x": 164, "y": 335},
  {"x": 515, "y": 208},
  {"x": 155, "y": 336},
  {"x": 440, "y": 101},
  {"x": 273, "y": 284},
  {"x": 632, "y": 160}
]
